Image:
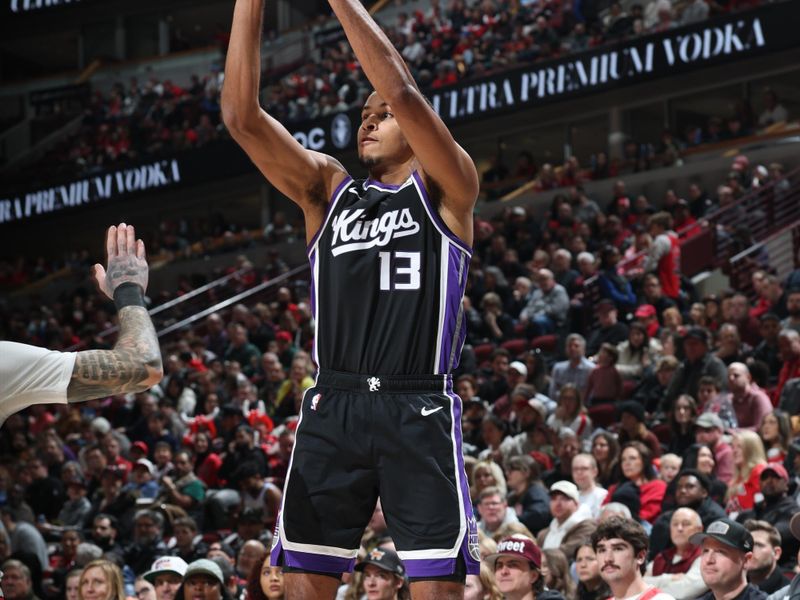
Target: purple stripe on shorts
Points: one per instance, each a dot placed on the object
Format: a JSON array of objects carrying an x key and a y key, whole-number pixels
[
  {"x": 309, "y": 561},
  {"x": 469, "y": 545},
  {"x": 430, "y": 567}
]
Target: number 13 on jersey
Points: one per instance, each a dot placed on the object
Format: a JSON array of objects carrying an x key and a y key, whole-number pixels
[{"x": 399, "y": 270}]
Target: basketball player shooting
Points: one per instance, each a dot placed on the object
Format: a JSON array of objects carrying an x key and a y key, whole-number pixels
[{"x": 389, "y": 258}]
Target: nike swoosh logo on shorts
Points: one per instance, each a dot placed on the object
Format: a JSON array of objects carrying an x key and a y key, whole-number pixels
[{"x": 429, "y": 411}]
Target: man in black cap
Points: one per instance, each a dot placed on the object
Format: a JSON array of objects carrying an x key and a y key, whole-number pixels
[
  {"x": 608, "y": 329},
  {"x": 692, "y": 489},
  {"x": 698, "y": 363},
  {"x": 777, "y": 508},
  {"x": 727, "y": 548},
  {"x": 384, "y": 575}
]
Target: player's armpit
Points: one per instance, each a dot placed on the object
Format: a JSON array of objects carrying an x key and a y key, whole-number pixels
[{"x": 133, "y": 365}]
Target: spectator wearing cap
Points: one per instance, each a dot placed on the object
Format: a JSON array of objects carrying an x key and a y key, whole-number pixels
[
  {"x": 203, "y": 579},
  {"x": 698, "y": 362},
  {"x": 147, "y": 545},
  {"x": 763, "y": 569},
  {"x": 621, "y": 547},
  {"x": 633, "y": 428},
  {"x": 636, "y": 464},
  {"x": 74, "y": 511},
  {"x": 676, "y": 570},
  {"x": 692, "y": 490},
  {"x": 142, "y": 484},
  {"x": 494, "y": 511},
  {"x": 766, "y": 351},
  {"x": 575, "y": 370},
  {"x": 384, "y": 575},
  {"x": 572, "y": 521},
  {"x": 647, "y": 316},
  {"x": 526, "y": 494},
  {"x": 571, "y": 413},
  {"x": 727, "y": 548},
  {"x": 776, "y": 508},
  {"x": 165, "y": 575},
  {"x": 608, "y": 330},
  {"x": 615, "y": 288},
  {"x": 750, "y": 403},
  {"x": 517, "y": 568},
  {"x": 604, "y": 383},
  {"x": 708, "y": 430},
  {"x": 546, "y": 311}
]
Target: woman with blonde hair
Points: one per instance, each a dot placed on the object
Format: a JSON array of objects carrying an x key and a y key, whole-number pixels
[
  {"x": 101, "y": 579},
  {"x": 749, "y": 459},
  {"x": 487, "y": 473},
  {"x": 571, "y": 413},
  {"x": 483, "y": 586}
]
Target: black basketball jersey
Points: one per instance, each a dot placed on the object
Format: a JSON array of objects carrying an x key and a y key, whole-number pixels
[{"x": 388, "y": 278}]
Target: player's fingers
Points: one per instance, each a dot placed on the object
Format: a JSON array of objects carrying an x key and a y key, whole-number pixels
[
  {"x": 111, "y": 241},
  {"x": 140, "y": 249},
  {"x": 99, "y": 276},
  {"x": 122, "y": 239},
  {"x": 130, "y": 239}
]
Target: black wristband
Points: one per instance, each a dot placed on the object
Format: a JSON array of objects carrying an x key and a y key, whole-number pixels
[{"x": 128, "y": 294}]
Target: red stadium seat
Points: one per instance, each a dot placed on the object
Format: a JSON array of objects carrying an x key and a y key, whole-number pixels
[
  {"x": 483, "y": 352},
  {"x": 627, "y": 389},
  {"x": 515, "y": 347},
  {"x": 603, "y": 415},
  {"x": 545, "y": 343},
  {"x": 662, "y": 432}
]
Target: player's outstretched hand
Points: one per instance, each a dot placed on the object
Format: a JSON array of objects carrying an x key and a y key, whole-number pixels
[{"x": 126, "y": 261}]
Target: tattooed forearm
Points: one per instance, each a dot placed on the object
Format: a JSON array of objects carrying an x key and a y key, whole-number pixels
[{"x": 133, "y": 365}]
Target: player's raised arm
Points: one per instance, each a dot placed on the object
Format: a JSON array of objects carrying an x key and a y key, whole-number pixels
[
  {"x": 438, "y": 154},
  {"x": 306, "y": 177},
  {"x": 134, "y": 363}
]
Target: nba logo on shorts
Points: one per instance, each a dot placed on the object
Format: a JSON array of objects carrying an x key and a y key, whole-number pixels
[{"x": 315, "y": 401}]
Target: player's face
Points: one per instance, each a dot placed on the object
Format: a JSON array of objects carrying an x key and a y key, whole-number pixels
[
  {"x": 380, "y": 584},
  {"x": 379, "y": 137}
]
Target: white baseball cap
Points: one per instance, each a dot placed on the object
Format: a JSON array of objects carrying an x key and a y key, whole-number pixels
[
  {"x": 569, "y": 489},
  {"x": 519, "y": 367},
  {"x": 166, "y": 564}
]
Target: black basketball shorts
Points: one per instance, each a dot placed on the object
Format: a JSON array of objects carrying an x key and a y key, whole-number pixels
[{"x": 364, "y": 437}]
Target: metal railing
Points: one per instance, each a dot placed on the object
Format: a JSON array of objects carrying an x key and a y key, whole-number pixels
[
  {"x": 185, "y": 310},
  {"x": 779, "y": 253},
  {"x": 730, "y": 237}
]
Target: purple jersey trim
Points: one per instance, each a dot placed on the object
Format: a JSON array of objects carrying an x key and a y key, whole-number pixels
[
  {"x": 309, "y": 561},
  {"x": 328, "y": 210},
  {"x": 437, "y": 219},
  {"x": 388, "y": 187}
]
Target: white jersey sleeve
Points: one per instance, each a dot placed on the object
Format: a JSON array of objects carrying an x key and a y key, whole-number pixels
[{"x": 31, "y": 375}]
